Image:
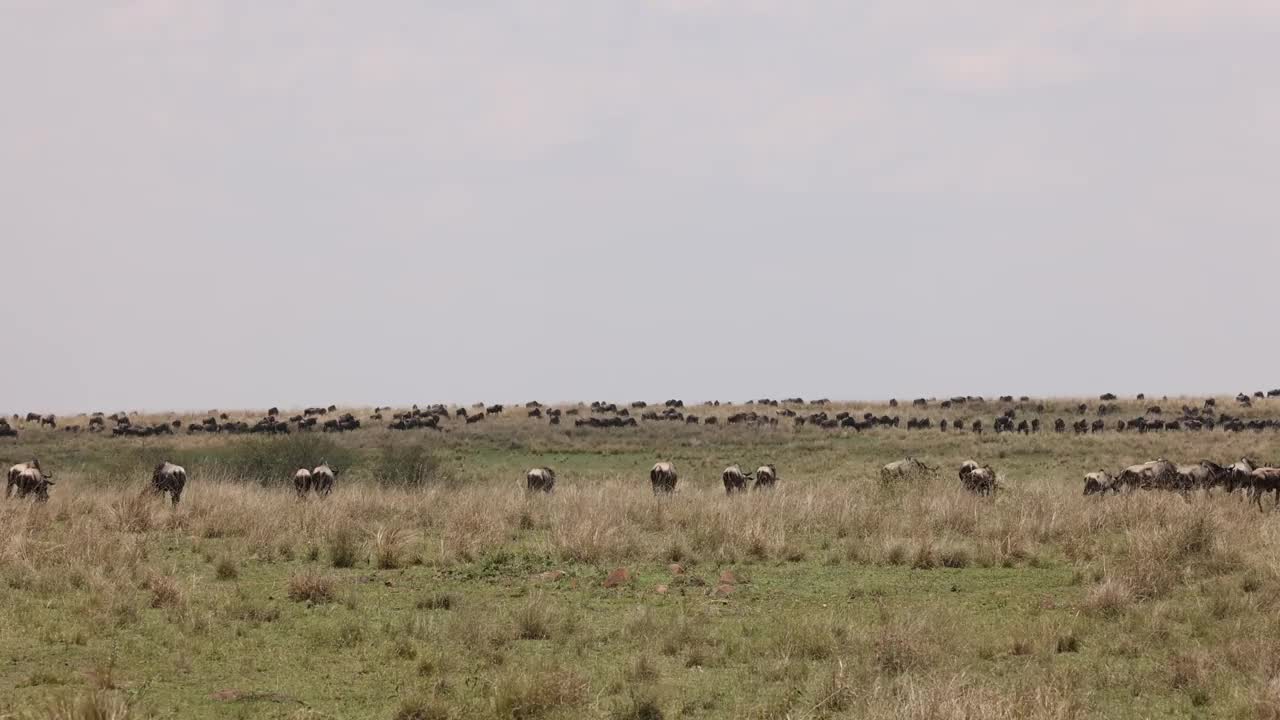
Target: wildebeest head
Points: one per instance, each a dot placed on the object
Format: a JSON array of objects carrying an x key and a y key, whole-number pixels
[{"x": 1098, "y": 482}]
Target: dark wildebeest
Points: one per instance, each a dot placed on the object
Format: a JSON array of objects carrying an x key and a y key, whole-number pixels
[
  {"x": 734, "y": 479},
  {"x": 1099, "y": 483},
  {"x": 766, "y": 477},
  {"x": 1238, "y": 475},
  {"x": 28, "y": 478},
  {"x": 1262, "y": 481},
  {"x": 977, "y": 478},
  {"x": 322, "y": 479},
  {"x": 540, "y": 479},
  {"x": 16, "y": 469},
  {"x": 302, "y": 482},
  {"x": 981, "y": 481},
  {"x": 1203, "y": 476},
  {"x": 663, "y": 477},
  {"x": 33, "y": 481},
  {"x": 169, "y": 478},
  {"x": 907, "y": 468}
]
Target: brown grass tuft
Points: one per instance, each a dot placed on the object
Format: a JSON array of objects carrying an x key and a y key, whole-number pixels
[
  {"x": 523, "y": 694},
  {"x": 311, "y": 587}
]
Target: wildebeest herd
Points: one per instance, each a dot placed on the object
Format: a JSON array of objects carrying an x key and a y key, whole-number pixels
[
  {"x": 960, "y": 414},
  {"x": 29, "y": 479},
  {"x": 1160, "y": 474}
]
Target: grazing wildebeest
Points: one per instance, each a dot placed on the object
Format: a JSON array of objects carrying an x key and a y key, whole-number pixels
[
  {"x": 322, "y": 479},
  {"x": 766, "y": 477},
  {"x": 663, "y": 477},
  {"x": 734, "y": 479},
  {"x": 981, "y": 481},
  {"x": 49, "y": 420},
  {"x": 1099, "y": 483},
  {"x": 28, "y": 477},
  {"x": 1205, "y": 475},
  {"x": 907, "y": 468},
  {"x": 169, "y": 478},
  {"x": 1238, "y": 475},
  {"x": 977, "y": 426},
  {"x": 15, "y": 469},
  {"x": 302, "y": 481},
  {"x": 32, "y": 481},
  {"x": 1262, "y": 481},
  {"x": 1158, "y": 473},
  {"x": 540, "y": 479}
]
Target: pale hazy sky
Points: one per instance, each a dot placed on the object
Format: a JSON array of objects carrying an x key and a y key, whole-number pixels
[{"x": 245, "y": 204}]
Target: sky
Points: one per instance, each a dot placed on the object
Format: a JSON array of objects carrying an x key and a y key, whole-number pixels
[{"x": 238, "y": 205}]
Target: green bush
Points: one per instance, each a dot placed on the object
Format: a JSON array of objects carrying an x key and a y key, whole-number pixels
[
  {"x": 272, "y": 461},
  {"x": 411, "y": 464}
]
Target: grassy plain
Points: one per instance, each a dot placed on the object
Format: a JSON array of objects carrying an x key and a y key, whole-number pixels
[{"x": 430, "y": 586}]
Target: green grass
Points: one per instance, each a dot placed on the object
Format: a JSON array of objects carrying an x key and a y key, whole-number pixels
[{"x": 443, "y": 592}]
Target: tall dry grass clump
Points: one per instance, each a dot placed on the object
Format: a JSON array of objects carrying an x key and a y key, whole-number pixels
[
  {"x": 964, "y": 698},
  {"x": 94, "y": 705},
  {"x": 523, "y": 694},
  {"x": 388, "y": 546},
  {"x": 312, "y": 587}
]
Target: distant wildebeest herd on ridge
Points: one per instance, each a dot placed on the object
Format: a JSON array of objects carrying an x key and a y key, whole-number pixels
[{"x": 1011, "y": 418}]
